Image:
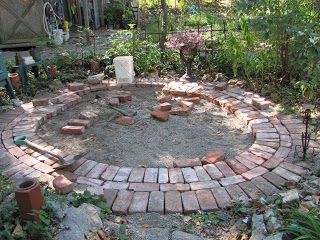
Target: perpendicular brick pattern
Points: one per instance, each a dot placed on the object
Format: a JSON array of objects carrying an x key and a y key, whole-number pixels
[
  {"x": 139, "y": 202},
  {"x": 190, "y": 202},
  {"x": 236, "y": 193},
  {"x": 213, "y": 171},
  {"x": 284, "y": 173},
  {"x": 267, "y": 188},
  {"x": 156, "y": 202},
  {"x": 97, "y": 170},
  {"x": 123, "y": 174},
  {"x": 173, "y": 203},
  {"x": 136, "y": 175},
  {"x": 151, "y": 175},
  {"x": 206, "y": 200},
  {"x": 221, "y": 196},
  {"x": 163, "y": 176},
  {"x": 189, "y": 174},
  {"x": 175, "y": 175},
  {"x": 110, "y": 173},
  {"x": 204, "y": 185},
  {"x": 122, "y": 202},
  {"x": 251, "y": 190}
]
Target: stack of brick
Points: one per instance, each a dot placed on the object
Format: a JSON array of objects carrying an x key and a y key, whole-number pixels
[{"x": 78, "y": 126}]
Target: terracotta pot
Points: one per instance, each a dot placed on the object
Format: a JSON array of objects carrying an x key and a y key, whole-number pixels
[
  {"x": 29, "y": 197},
  {"x": 94, "y": 65},
  {"x": 15, "y": 80},
  {"x": 52, "y": 69}
]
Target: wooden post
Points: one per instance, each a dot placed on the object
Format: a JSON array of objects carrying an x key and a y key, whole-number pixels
[
  {"x": 102, "y": 13},
  {"x": 85, "y": 13}
]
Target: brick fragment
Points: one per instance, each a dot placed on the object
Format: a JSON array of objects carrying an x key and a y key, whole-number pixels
[
  {"x": 114, "y": 102},
  {"x": 75, "y": 86},
  {"x": 186, "y": 104},
  {"x": 62, "y": 185},
  {"x": 124, "y": 97},
  {"x": 160, "y": 115},
  {"x": 164, "y": 98},
  {"x": 180, "y": 111},
  {"x": 187, "y": 163},
  {"x": 162, "y": 107},
  {"x": 73, "y": 130},
  {"x": 88, "y": 115}
]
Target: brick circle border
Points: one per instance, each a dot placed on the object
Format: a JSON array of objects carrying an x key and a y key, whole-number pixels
[{"x": 261, "y": 170}]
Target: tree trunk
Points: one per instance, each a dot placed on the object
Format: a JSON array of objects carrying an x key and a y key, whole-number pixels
[{"x": 163, "y": 37}]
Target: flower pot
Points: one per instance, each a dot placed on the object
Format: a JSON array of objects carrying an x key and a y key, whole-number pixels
[
  {"x": 52, "y": 69},
  {"x": 94, "y": 65},
  {"x": 14, "y": 79},
  {"x": 29, "y": 197}
]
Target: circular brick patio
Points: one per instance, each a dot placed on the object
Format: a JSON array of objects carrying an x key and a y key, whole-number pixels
[{"x": 190, "y": 185}]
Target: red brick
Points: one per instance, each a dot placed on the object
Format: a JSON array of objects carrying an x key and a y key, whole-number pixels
[
  {"x": 162, "y": 107},
  {"x": 136, "y": 175},
  {"x": 98, "y": 87},
  {"x": 144, "y": 187},
  {"x": 89, "y": 181},
  {"x": 213, "y": 157},
  {"x": 163, "y": 176},
  {"x": 175, "y": 175},
  {"x": 180, "y": 111},
  {"x": 109, "y": 173},
  {"x": 122, "y": 174},
  {"x": 263, "y": 148},
  {"x": 40, "y": 102},
  {"x": 195, "y": 91},
  {"x": 186, "y": 104},
  {"x": 273, "y": 162},
  {"x": 249, "y": 164},
  {"x": 181, "y": 187},
  {"x": 85, "y": 168},
  {"x": 236, "y": 193},
  {"x": 274, "y": 145},
  {"x": 139, "y": 202},
  {"x": 62, "y": 185},
  {"x": 73, "y": 130},
  {"x": 75, "y": 165},
  {"x": 96, "y": 190},
  {"x": 213, "y": 171},
  {"x": 222, "y": 197},
  {"x": 79, "y": 122},
  {"x": 16, "y": 151},
  {"x": 251, "y": 190},
  {"x": 75, "y": 86},
  {"x": 164, "y": 98},
  {"x": 260, "y": 153},
  {"x": 275, "y": 179},
  {"x": 261, "y": 104},
  {"x": 43, "y": 168},
  {"x": 122, "y": 202},
  {"x": 187, "y": 163},
  {"x": 27, "y": 159},
  {"x": 194, "y": 100},
  {"x": 114, "y": 102},
  {"x": 204, "y": 185},
  {"x": 189, "y": 175},
  {"x": 266, "y": 187},
  {"x": 294, "y": 168},
  {"x": 225, "y": 169},
  {"x": 255, "y": 172},
  {"x": 97, "y": 170},
  {"x": 178, "y": 92},
  {"x": 151, "y": 175},
  {"x": 190, "y": 202},
  {"x": 173, "y": 203},
  {"x": 206, "y": 200},
  {"x": 124, "y": 97},
  {"x": 88, "y": 115},
  {"x": 232, "y": 180},
  {"x": 156, "y": 202},
  {"x": 236, "y": 166},
  {"x": 160, "y": 115},
  {"x": 116, "y": 185},
  {"x": 284, "y": 173},
  {"x": 202, "y": 174},
  {"x": 124, "y": 120}
]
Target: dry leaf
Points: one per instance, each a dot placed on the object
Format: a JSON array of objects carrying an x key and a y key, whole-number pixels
[{"x": 146, "y": 225}]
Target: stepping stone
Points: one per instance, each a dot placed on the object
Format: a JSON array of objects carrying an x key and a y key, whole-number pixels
[{"x": 73, "y": 130}]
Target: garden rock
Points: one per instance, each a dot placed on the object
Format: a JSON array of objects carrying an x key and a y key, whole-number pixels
[
  {"x": 312, "y": 187},
  {"x": 58, "y": 208},
  {"x": 220, "y": 77},
  {"x": 80, "y": 221},
  {"x": 207, "y": 78},
  {"x": 137, "y": 233},
  {"x": 178, "y": 235},
  {"x": 273, "y": 224},
  {"x": 290, "y": 196},
  {"x": 160, "y": 115},
  {"x": 258, "y": 228},
  {"x": 111, "y": 227}
]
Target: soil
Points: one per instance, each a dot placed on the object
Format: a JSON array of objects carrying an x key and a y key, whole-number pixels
[{"x": 147, "y": 142}]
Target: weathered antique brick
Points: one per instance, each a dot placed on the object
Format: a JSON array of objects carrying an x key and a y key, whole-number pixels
[
  {"x": 173, "y": 203},
  {"x": 122, "y": 174},
  {"x": 163, "y": 176},
  {"x": 97, "y": 170},
  {"x": 225, "y": 169},
  {"x": 109, "y": 173},
  {"x": 139, "y": 202},
  {"x": 222, "y": 197},
  {"x": 265, "y": 186},
  {"x": 144, "y": 187},
  {"x": 231, "y": 180},
  {"x": 204, "y": 185},
  {"x": 255, "y": 172},
  {"x": 206, "y": 200},
  {"x": 137, "y": 175},
  {"x": 190, "y": 202},
  {"x": 202, "y": 174},
  {"x": 213, "y": 171},
  {"x": 187, "y": 163},
  {"x": 175, "y": 175},
  {"x": 181, "y": 187},
  {"x": 189, "y": 174},
  {"x": 73, "y": 130},
  {"x": 122, "y": 202},
  {"x": 151, "y": 175},
  {"x": 156, "y": 202}
]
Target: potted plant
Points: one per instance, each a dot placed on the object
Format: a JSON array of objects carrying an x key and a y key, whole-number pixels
[
  {"x": 15, "y": 80},
  {"x": 52, "y": 69},
  {"x": 188, "y": 45}
]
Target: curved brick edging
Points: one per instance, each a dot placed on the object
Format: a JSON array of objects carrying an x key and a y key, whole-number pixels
[{"x": 260, "y": 170}]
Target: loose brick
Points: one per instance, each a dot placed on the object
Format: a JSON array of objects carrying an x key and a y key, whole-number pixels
[
  {"x": 266, "y": 187},
  {"x": 123, "y": 174},
  {"x": 160, "y": 115},
  {"x": 164, "y": 98},
  {"x": 163, "y": 176},
  {"x": 124, "y": 120},
  {"x": 225, "y": 169},
  {"x": 62, "y": 185},
  {"x": 204, "y": 185},
  {"x": 156, "y": 202},
  {"x": 73, "y": 130},
  {"x": 109, "y": 173},
  {"x": 173, "y": 203},
  {"x": 284, "y": 173},
  {"x": 79, "y": 122},
  {"x": 144, "y": 187},
  {"x": 97, "y": 170},
  {"x": 116, "y": 185},
  {"x": 75, "y": 86},
  {"x": 186, "y": 104},
  {"x": 89, "y": 181},
  {"x": 180, "y": 111},
  {"x": 85, "y": 168},
  {"x": 151, "y": 175},
  {"x": 236, "y": 166},
  {"x": 236, "y": 193},
  {"x": 139, "y": 202},
  {"x": 213, "y": 157},
  {"x": 137, "y": 175},
  {"x": 187, "y": 163},
  {"x": 114, "y": 102},
  {"x": 231, "y": 180},
  {"x": 190, "y": 202},
  {"x": 181, "y": 187},
  {"x": 88, "y": 115},
  {"x": 206, "y": 200},
  {"x": 109, "y": 196},
  {"x": 40, "y": 102},
  {"x": 189, "y": 175},
  {"x": 162, "y": 107},
  {"x": 255, "y": 172},
  {"x": 275, "y": 179},
  {"x": 251, "y": 190},
  {"x": 122, "y": 202},
  {"x": 124, "y": 97},
  {"x": 222, "y": 197},
  {"x": 213, "y": 171},
  {"x": 202, "y": 174},
  {"x": 194, "y": 100},
  {"x": 175, "y": 175}
]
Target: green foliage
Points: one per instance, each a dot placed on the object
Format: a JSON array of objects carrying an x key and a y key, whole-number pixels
[
  {"x": 41, "y": 229},
  {"x": 203, "y": 220},
  {"x": 304, "y": 225}
]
